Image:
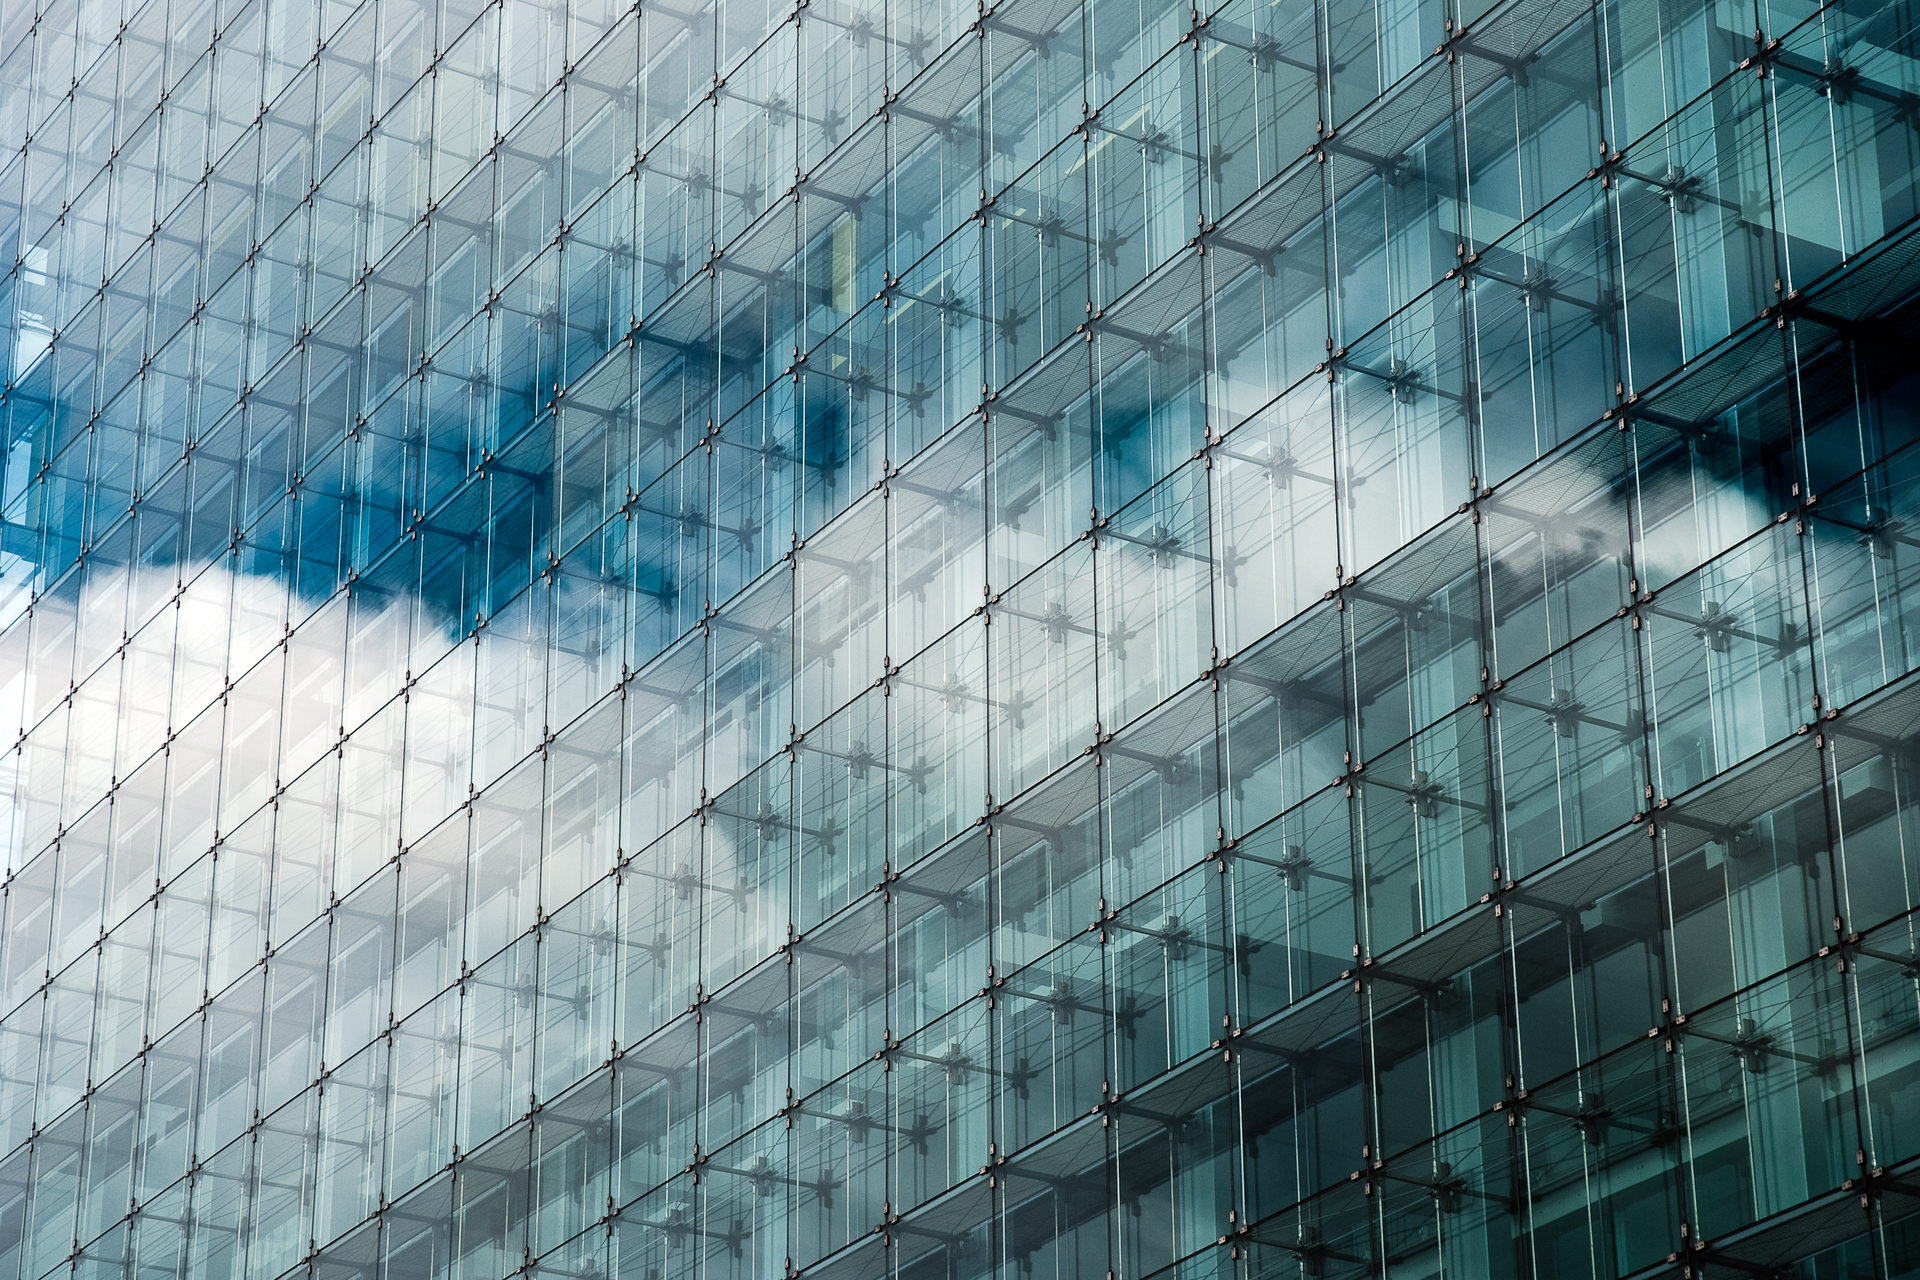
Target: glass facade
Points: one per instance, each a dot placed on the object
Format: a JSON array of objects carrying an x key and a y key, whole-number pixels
[{"x": 1069, "y": 638}]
